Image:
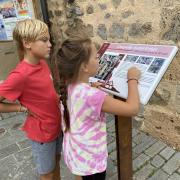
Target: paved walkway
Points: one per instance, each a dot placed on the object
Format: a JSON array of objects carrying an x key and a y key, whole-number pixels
[{"x": 152, "y": 159}]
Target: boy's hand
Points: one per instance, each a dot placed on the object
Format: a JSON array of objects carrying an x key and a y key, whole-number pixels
[{"x": 29, "y": 113}]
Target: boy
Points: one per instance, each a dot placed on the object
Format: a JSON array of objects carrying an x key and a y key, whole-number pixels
[{"x": 31, "y": 84}]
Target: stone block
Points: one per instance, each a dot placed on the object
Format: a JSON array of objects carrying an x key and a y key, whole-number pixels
[
  {"x": 103, "y": 6},
  {"x": 172, "y": 32},
  {"x": 8, "y": 168},
  {"x": 157, "y": 161},
  {"x": 134, "y": 155},
  {"x": 24, "y": 155},
  {"x": 1, "y": 118},
  {"x": 9, "y": 139},
  {"x": 143, "y": 146},
  {"x": 113, "y": 156},
  {"x": 167, "y": 152},
  {"x": 24, "y": 144},
  {"x": 5, "y": 115},
  {"x": 102, "y": 31},
  {"x": 159, "y": 175},
  {"x": 112, "y": 147},
  {"x": 134, "y": 132},
  {"x": 116, "y": 31},
  {"x": 144, "y": 172},
  {"x": 126, "y": 14},
  {"x": 155, "y": 148},
  {"x": 90, "y": 9},
  {"x": 133, "y": 144},
  {"x": 161, "y": 123},
  {"x": 110, "y": 138},
  {"x": 111, "y": 169},
  {"x": 4, "y": 152},
  {"x": 116, "y": 3},
  {"x": 174, "y": 176},
  {"x": 172, "y": 164},
  {"x": 140, "y": 161},
  {"x": 143, "y": 142}
]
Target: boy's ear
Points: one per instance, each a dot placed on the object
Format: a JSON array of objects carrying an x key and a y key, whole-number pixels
[{"x": 26, "y": 44}]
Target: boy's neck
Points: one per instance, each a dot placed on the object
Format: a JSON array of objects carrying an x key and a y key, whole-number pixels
[{"x": 31, "y": 59}]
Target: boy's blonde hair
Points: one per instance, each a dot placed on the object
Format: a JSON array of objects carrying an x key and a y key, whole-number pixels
[{"x": 29, "y": 30}]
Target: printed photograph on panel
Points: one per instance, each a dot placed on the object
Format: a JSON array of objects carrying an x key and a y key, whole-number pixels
[
  {"x": 156, "y": 65},
  {"x": 106, "y": 65},
  {"x": 7, "y": 9},
  {"x": 131, "y": 58},
  {"x": 144, "y": 60}
]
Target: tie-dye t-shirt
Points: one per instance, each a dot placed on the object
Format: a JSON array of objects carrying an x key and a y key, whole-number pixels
[{"x": 85, "y": 145}]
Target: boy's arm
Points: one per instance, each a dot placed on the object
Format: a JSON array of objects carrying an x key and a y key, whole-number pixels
[
  {"x": 9, "y": 107},
  {"x": 14, "y": 107},
  {"x": 1, "y": 98},
  {"x": 11, "y": 89}
]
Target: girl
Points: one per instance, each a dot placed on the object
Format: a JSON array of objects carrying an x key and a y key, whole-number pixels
[{"x": 84, "y": 144}]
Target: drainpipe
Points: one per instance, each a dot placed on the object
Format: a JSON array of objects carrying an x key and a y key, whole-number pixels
[
  {"x": 52, "y": 64},
  {"x": 44, "y": 10}
]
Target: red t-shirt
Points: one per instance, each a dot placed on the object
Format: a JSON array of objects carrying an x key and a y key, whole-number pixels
[{"x": 33, "y": 86}]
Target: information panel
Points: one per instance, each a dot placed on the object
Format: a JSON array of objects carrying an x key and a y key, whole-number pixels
[
  {"x": 117, "y": 58},
  {"x": 12, "y": 11}
]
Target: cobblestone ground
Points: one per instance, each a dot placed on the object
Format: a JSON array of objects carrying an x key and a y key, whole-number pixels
[{"x": 152, "y": 159}]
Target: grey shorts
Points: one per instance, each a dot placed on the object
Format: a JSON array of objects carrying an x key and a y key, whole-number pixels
[{"x": 44, "y": 154}]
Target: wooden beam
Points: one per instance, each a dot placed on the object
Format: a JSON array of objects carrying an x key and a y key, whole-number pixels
[{"x": 123, "y": 127}]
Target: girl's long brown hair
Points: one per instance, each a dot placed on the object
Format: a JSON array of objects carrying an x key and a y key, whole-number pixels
[{"x": 73, "y": 52}]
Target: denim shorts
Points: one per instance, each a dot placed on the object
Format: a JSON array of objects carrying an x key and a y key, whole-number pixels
[{"x": 44, "y": 154}]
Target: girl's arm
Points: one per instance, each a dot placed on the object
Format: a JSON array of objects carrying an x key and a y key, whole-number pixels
[
  {"x": 10, "y": 107},
  {"x": 132, "y": 104}
]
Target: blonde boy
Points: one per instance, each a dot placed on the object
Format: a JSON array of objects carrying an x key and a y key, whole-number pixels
[{"x": 31, "y": 84}]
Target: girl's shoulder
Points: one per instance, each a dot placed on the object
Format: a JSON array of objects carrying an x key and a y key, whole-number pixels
[
  {"x": 94, "y": 98},
  {"x": 86, "y": 91},
  {"x": 86, "y": 96},
  {"x": 84, "y": 88}
]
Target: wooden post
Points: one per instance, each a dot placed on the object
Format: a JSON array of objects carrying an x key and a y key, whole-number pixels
[{"x": 123, "y": 127}]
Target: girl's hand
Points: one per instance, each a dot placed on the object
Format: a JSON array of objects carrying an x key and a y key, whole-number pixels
[
  {"x": 96, "y": 84},
  {"x": 133, "y": 72}
]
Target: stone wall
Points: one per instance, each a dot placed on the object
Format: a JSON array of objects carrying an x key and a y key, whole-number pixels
[{"x": 133, "y": 21}]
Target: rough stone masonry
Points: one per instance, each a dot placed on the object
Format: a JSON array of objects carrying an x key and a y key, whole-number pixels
[{"x": 132, "y": 21}]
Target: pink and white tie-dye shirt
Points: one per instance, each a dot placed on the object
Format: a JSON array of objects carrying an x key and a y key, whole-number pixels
[{"x": 85, "y": 145}]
